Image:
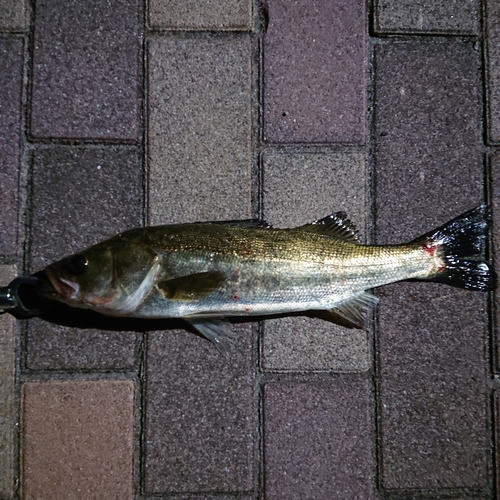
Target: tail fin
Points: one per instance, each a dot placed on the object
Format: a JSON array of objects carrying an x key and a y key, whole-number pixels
[{"x": 456, "y": 242}]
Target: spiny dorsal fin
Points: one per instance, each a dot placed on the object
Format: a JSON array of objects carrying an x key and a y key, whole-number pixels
[
  {"x": 248, "y": 223},
  {"x": 357, "y": 309},
  {"x": 193, "y": 286},
  {"x": 336, "y": 225}
]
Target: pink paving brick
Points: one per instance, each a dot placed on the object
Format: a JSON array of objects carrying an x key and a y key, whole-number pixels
[
  {"x": 11, "y": 81},
  {"x": 85, "y": 69},
  {"x": 78, "y": 440},
  {"x": 315, "y": 72},
  {"x": 318, "y": 440}
]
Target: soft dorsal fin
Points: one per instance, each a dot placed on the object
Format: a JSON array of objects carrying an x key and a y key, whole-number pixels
[
  {"x": 357, "y": 309},
  {"x": 193, "y": 286},
  {"x": 336, "y": 225}
]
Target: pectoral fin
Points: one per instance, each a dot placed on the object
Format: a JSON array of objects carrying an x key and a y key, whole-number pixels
[
  {"x": 216, "y": 330},
  {"x": 193, "y": 286}
]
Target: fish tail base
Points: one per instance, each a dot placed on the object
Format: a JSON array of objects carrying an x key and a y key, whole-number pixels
[{"x": 456, "y": 243}]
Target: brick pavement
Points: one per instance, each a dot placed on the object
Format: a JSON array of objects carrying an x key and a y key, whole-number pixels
[{"x": 127, "y": 112}]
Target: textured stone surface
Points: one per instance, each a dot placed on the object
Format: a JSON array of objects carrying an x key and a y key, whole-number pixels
[
  {"x": 7, "y": 392},
  {"x": 494, "y": 164},
  {"x": 318, "y": 440},
  {"x": 432, "y": 387},
  {"x": 78, "y": 439},
  {"x": 199, "y": 129},
  {"x": 199, "y": 426},
  {"x": 427, "y": 16},
  {"x": 11, "y": 81},
  {"x": 86, "y": 69},
  {"x": 80, "y": 196},
  {"x": 431, "y": 338},
  {"x": 428, "y": 165},
  {"x": 299, "y": 188},
  {"x": 492, "y": 42},
  {"x": 200, "y": 14},
  {"x": 13, "y": 15},
  {"x": 315, "y": 71}
]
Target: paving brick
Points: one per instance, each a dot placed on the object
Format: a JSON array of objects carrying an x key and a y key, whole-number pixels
[
  {"x": 427, "y": 121},
  {"x": 494, "y": 174},
  {"x": 11, "y": 81},
  {"x": 7, "y": 392},
  {"x": 13, "y": 15},
  {"x": 200, "y": 14},
  {"x": 492, "y": 44},
  {"x": 199, "y": 128},
  {"x": 318, "y": 440},
  {"x": 85, "y": 81},
  {"x": 298, "y": 188},
  {"x": 78, "y": 439},
  {"x": 314, "y": 72},
  {"x": 432, "y": 387},
  {"x": 199, "y": 426},
  {"x": 81, "y": 195},
  {"x": 423, "y": 16},
  {"x": 431, "y": 338}
]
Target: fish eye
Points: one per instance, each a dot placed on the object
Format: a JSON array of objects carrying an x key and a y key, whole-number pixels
[{"x": 75, "y": 264}]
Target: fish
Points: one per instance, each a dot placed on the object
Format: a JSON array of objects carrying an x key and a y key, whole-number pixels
[{"x": 209, "y": 272}]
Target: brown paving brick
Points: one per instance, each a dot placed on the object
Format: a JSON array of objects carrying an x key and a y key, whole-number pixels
[
  {"x": 11, "y": 81},
  {"x": 78, "y": 440},
  {"x": 81, "y": 195},
  {"x": 7, "y": 391},
  {"x": 318, "y": 440},
  {"x": 13, "y": 15},
  {"x": 199, "y": 426},
  {"x": 200, "y": 14},
  {"x": 423, "y": 16},
  {"x": 86, "y": 69},
  {"x": 298, "y": 188},
  {"x": 492, "y": 43},
  {"x": 199, "y": 128},
  {"x": 431, "y": 338},
  {"x": 315, "y": 72}
]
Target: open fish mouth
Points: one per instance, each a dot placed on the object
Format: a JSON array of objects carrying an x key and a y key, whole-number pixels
[{"x": 62, "y": 287}]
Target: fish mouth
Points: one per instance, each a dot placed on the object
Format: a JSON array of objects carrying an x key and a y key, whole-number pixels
[{"x": 65, "y": 289}]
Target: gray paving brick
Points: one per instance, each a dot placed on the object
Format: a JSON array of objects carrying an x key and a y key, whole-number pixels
[
  {"x": 78, "y": 439},
  {"x": 199, "y": 426},
  {"x": 7, "y": 392},
  {"x": 300, "y": 187},
  {"x": 318, "y": 440},
  {"x": 314, "y": 72},
  {"x": 492, "y": 43},
  {"x": 200, "y": 14},
  {"x": 199, "y": 128},
  {"x": 428, "y": 164},
  {"x": 81, "y": 195},
  {"x": 85, "y": 81},
  {"x": 13, "y": 15},
  {"x": 494, "y": 173},
  {"x": 425, "y": 16},
  {"x": 11, "y": 81},
  {"x": 431, "y": 338}
]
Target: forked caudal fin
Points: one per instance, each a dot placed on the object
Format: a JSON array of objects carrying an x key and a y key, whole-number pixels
[{"x": 456, "y": 243}]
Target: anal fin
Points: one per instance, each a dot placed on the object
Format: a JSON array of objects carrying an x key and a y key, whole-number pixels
[{"x": 357, "y": 309}]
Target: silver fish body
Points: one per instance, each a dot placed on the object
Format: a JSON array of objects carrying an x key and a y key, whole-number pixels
[{"x": 207, "y": 271}]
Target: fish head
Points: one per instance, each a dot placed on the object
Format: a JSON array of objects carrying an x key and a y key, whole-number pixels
[{"x": 111, "y": 277}]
